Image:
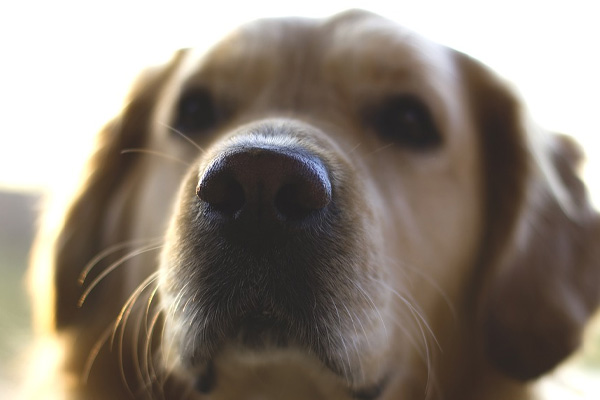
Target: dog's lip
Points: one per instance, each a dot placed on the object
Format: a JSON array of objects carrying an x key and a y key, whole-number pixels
[
  {"x": 371, "y": 392},
  {"x": 205, "y": 383},
  {"x": 263, "y": 331},
  {"x": 206, "y": 379}
]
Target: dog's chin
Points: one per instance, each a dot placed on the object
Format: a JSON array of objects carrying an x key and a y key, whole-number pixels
[
  {"x": 260, "y": 363},
  {"x": 264, "y": 347}
]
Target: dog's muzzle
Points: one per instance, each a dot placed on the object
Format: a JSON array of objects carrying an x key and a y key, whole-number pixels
[{"x": 266, "y": 247}]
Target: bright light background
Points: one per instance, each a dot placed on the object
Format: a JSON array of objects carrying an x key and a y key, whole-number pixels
[{"x": 66, "y": 65}]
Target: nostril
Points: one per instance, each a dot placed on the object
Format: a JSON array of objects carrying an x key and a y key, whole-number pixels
[
  {"x": 288, "y": 204},
  {"x": 296, "y": 201},
  {"x": 223, "y": 194}
]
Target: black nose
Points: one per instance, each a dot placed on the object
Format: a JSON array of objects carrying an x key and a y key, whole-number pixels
[{"x": 267, "y": 184}]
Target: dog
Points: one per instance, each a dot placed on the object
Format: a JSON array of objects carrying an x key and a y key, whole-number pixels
[{"x": 317, "y": 209}]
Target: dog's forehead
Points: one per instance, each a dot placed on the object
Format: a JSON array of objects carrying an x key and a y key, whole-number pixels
[
  {"x": 259, "y": 45},
  {"x": 365, "y": 38},
  {"x": 355, "y": 43}
]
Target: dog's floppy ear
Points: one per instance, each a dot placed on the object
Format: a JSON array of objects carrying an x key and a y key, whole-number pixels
[
  {"x": 547, "y": 286},
  {"x": 82, "y": 234},
  {"x": 540, "y": 267}
]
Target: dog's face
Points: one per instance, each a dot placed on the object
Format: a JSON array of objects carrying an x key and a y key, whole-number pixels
[
  {"x": 342, "y": 216},
  {"x": 335, "y": 191}
]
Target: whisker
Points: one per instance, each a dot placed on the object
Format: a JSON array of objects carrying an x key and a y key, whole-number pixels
[
  {"x": 428, "y": 355},
  {"x": 353, "y": 149},
  {"x": 401, "y": 326},
  {"x": 85, "y": 374},
  {"x": 109, "y": 333},
  {"x": 112, "y": 267},
  {"x": 149, "y": 327},
  {"x": 429, "y": 280},
  {"x": 416, "y": 313},
  {"x": 155, "y": 153},
  {"x": 148, "y": 307},
  {"x": 367, "y": 297},
  {"x": 87, "y": 368},
  {"x": 348, "y": 363},
  {"x": 121, "y": 321},
  {"x": 183, "y": 135},
  {"x": 424, "y": 354},
  {"x": 110, "y": 250},
  {"x": 170, "y": 313},
  {"x": 166, "y": 355},
  {"x": 379, "y": 149},
  {"x": 123, "y": 316},
  {"x": 142, "y": 346},
  {"x": 134, "y": 354},
  {"x": 148, "y": 354},
  {"x": 425, "y": 331},
  {"x": 327, "y": 334},
  {"x": 356, "y": 339}
]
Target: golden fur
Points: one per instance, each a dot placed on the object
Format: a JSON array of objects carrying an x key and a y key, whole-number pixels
[{"x": 459, "y": 265}]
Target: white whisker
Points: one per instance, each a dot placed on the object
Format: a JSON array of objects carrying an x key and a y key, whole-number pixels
[
  {"x": 424, "y": 329},
  {"x": 92, "y": 356},
  {"x": 183, "y": 135},
  {"x": 413, "y": 309},
  {"x": 122, "y": 320},
  {"x": 356, "y": 340},
  {"x": 110, "y": 250},
  {"x": 367, "y": 297},
  {"x": 112, "y": 267},
  {"x": 379, "y": 149},
  {"x": 352, "y": 150},
  {"x": 403, "y": 266},
  {"x": 155, "y": 153}
]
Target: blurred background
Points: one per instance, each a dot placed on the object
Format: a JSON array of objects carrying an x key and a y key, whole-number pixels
[{"x": 66, "y": 66}]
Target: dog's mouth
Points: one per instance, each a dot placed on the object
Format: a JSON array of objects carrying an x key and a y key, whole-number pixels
[
  {"x": 206, "y": 379},
  {"x": 206, "y": 382},
  {"x": 268, "y": 340},
  {"x": 267, "y": 320}
]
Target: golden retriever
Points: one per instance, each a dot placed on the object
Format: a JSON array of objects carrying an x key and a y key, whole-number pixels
[{"x": 317, "y": 209}]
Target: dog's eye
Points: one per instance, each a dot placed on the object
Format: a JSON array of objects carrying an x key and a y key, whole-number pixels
[
  {"x": 196, "y": 111},
  {"x": 406, "y": 121}
]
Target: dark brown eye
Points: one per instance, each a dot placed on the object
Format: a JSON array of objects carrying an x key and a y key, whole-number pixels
[
  {"x": 196, "y": 111},
  {"x": 405, "y": 120}
]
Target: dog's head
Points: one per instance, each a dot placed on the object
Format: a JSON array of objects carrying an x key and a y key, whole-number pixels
[{"x": 348, "y": 208}]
